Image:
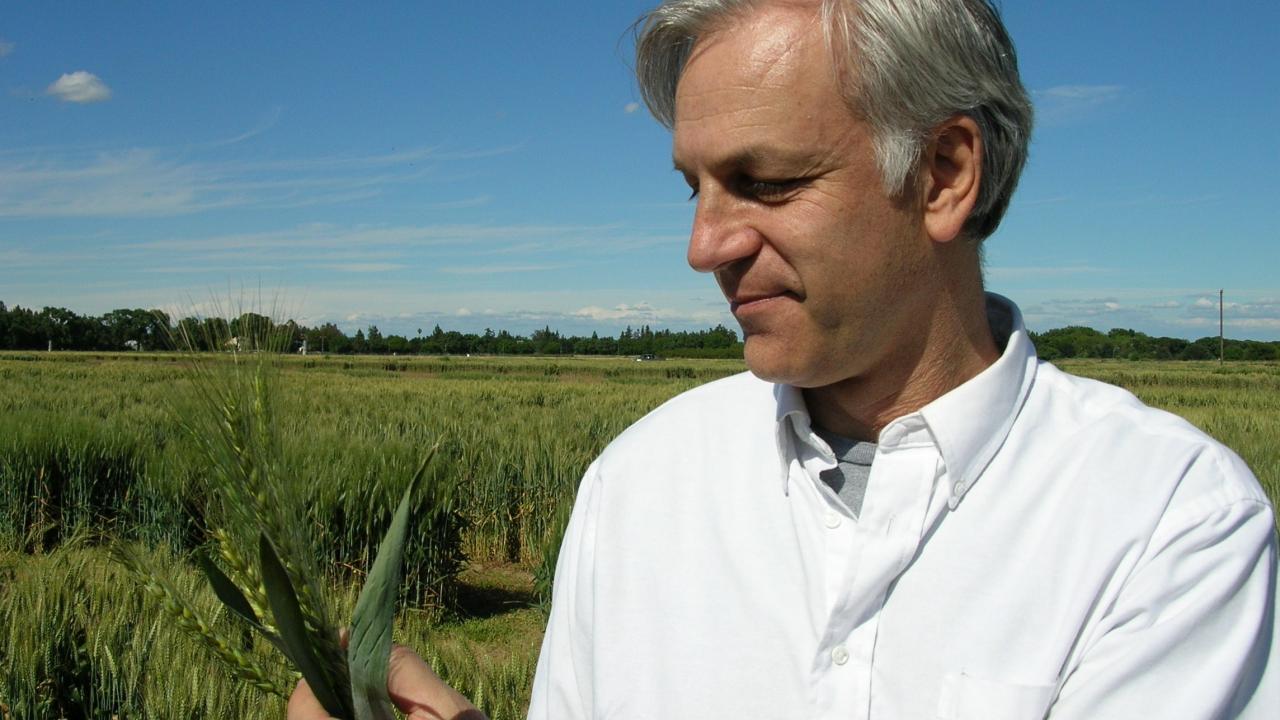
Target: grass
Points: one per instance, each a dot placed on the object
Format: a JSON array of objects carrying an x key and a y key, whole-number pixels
[{"x": 88, "y": 452}]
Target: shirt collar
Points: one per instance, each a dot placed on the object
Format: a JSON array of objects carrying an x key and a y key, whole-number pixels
[
  {"x": 793, "y": 426},
  {"x": 969, "y": 424}
]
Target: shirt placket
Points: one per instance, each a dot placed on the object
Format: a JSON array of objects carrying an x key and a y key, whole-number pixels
[{"x": 862, "y": 570}]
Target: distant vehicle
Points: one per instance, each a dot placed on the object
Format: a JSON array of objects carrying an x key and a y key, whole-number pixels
[{"x": 647, "y": 357}]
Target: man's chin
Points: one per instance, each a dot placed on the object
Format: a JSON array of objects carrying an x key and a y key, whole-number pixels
[{"x": 771, "y": 360}]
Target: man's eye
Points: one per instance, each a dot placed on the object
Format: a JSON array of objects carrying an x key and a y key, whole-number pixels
[{"x": 769, "y": 190}]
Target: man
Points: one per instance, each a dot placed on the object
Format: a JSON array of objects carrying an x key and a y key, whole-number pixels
[{"x": 900, "y": 512}]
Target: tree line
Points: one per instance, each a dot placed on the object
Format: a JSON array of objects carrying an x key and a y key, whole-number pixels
[
  {"x": 138, "y": 329},
  {"x": 1084, "y": 342}
]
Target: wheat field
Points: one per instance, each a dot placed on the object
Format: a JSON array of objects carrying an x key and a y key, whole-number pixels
[{"x": 90, "y": 453}]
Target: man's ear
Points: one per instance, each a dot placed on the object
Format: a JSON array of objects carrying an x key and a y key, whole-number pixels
[{"x": 951, "y": 170}]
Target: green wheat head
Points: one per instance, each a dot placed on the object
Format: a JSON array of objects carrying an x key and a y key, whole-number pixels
[{"x": 264, "y": 568}]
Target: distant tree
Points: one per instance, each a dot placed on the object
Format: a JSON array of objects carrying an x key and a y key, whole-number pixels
[
  {"x": 397, "y": 344},
  {"x": 1195, "y": 351}
]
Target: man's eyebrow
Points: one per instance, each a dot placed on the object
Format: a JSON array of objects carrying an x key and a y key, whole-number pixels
[{"x": 753, "y": 157}]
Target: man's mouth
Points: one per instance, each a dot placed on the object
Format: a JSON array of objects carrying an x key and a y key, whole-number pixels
[{"x": 751, "y": 301}]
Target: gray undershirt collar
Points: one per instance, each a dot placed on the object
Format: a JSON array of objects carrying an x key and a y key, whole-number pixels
[{"x": 848, "y": 479}]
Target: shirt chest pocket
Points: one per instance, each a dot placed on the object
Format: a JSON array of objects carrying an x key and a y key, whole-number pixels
[{"x": 965, "y": 697}]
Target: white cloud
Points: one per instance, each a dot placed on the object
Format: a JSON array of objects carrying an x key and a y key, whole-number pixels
[
  {"x": 6, "y": 47},
  {"x": 1064, "y": 103},
  {"x": 494, "y": 269},
  {"x": 80, "y": 87},
  {"x": 1082, "y": 93},
  {"x": 631, "y": 107},
  {"x": 1073, "y": 310},
  {"x": 1232, "y": 324},
  {"x": 639, "y": 312},
  {"x": 363, "y": 267},
  {"x": 267, "y": 122},
  {"x": 159, "y": 182},
  {"x": 1013, "y": 273},
  {"x": 1263, "y": 309},
  {"x": 1179, "y": 312}
]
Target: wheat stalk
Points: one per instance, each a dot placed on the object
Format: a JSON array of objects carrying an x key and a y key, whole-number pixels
[
  {"x": 279, "y": 596},
  {"x": 241, "y": 664}
]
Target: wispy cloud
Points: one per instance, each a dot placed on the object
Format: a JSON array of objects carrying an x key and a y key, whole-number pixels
[
  {"x": 583, "y": 320},
  {"x": 1076, "y": 307},
  {"x": 496, "y": 269},
  {"x": 319, "y": 236},
  {"x": 471, "y": 202},
  {"x": 1015, "y": 273},
  {"x": 1082, "y": 93},
  {"x": 447, "y": 249},
  {"x": 1259, "y": 309},
  {"x": 269, "y": 121},
  {"x": 362, "y": 267},
  {"x": 159, "y": 182},
  {"x": 1170, "y": 311},
  {"x": 1162, "y": 200},
  {"x": 630, "y": 107},
  {"x": 81, "y": 87},
  {"x": 1066, "y": 103},
  {"x": 203, "y": 269},
  {"x": 1036, "y": 202},
  {"x": 643, "y": 312},
  {"x": 6, "y": 48}
]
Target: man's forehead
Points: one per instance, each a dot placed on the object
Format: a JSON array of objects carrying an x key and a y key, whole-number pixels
[
  {"x": 776, "y": 46},
  {"x": 744, "y": 86},
  {"x": 764, "y": 37}
]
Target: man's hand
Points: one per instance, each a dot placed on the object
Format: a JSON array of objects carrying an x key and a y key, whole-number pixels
[{"x": 414, "y": 687}]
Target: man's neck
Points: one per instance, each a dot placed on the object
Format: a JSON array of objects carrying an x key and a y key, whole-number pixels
[{"x": 951, "y": 349}]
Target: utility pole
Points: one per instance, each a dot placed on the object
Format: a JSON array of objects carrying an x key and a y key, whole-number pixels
[{"x": 1222, "y": 344}]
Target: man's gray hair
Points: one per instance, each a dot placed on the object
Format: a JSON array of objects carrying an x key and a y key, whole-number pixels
[{"x": 908, "y": 65}]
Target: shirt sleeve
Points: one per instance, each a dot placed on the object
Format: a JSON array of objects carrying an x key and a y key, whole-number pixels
[
  {"x": 562, "y": 687},
  {"x": 1191, "y": 633}
]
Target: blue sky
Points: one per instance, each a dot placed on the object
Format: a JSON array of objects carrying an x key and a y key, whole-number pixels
[{"x": 488, "y": 165}]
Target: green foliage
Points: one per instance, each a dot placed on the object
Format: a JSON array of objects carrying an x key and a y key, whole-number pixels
[
  {"x": 78, "y": 639},
  {"x": 1083, "y": 342},
  {"x": 370, "y": 646},
  {"x": 351, "y": 434}
]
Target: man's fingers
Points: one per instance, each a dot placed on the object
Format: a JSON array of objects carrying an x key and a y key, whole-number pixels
[
  {"x": 303, "y": 704},
  {"x": 414, "y": 688},
  {"x": 419, "y": 692}
]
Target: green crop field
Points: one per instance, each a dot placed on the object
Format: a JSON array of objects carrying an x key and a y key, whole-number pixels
[{"x": 90, "y": 453}]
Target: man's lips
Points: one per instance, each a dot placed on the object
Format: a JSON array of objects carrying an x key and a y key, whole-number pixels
[{"x": 751, "y": 301}]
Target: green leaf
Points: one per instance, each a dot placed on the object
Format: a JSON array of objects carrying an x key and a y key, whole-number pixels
[
  {"x": 227, "y": 591},
  {"x": 300, "y": 645},
  {"x": 369, "y": 650},
  {"x": 232, "y": 597}
]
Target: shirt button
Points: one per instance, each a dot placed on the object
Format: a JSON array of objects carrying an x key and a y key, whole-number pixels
[
  {"x": 839, "y": 655},
  {"x": 832, "y": 520},
  {"x": 958, "y": 489}
]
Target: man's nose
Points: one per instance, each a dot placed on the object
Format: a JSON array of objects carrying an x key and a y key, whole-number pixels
[{"x": 720, "y": 236}]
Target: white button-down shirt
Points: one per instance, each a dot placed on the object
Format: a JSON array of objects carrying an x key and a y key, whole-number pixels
[{"x": 1030, "y": 544}]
